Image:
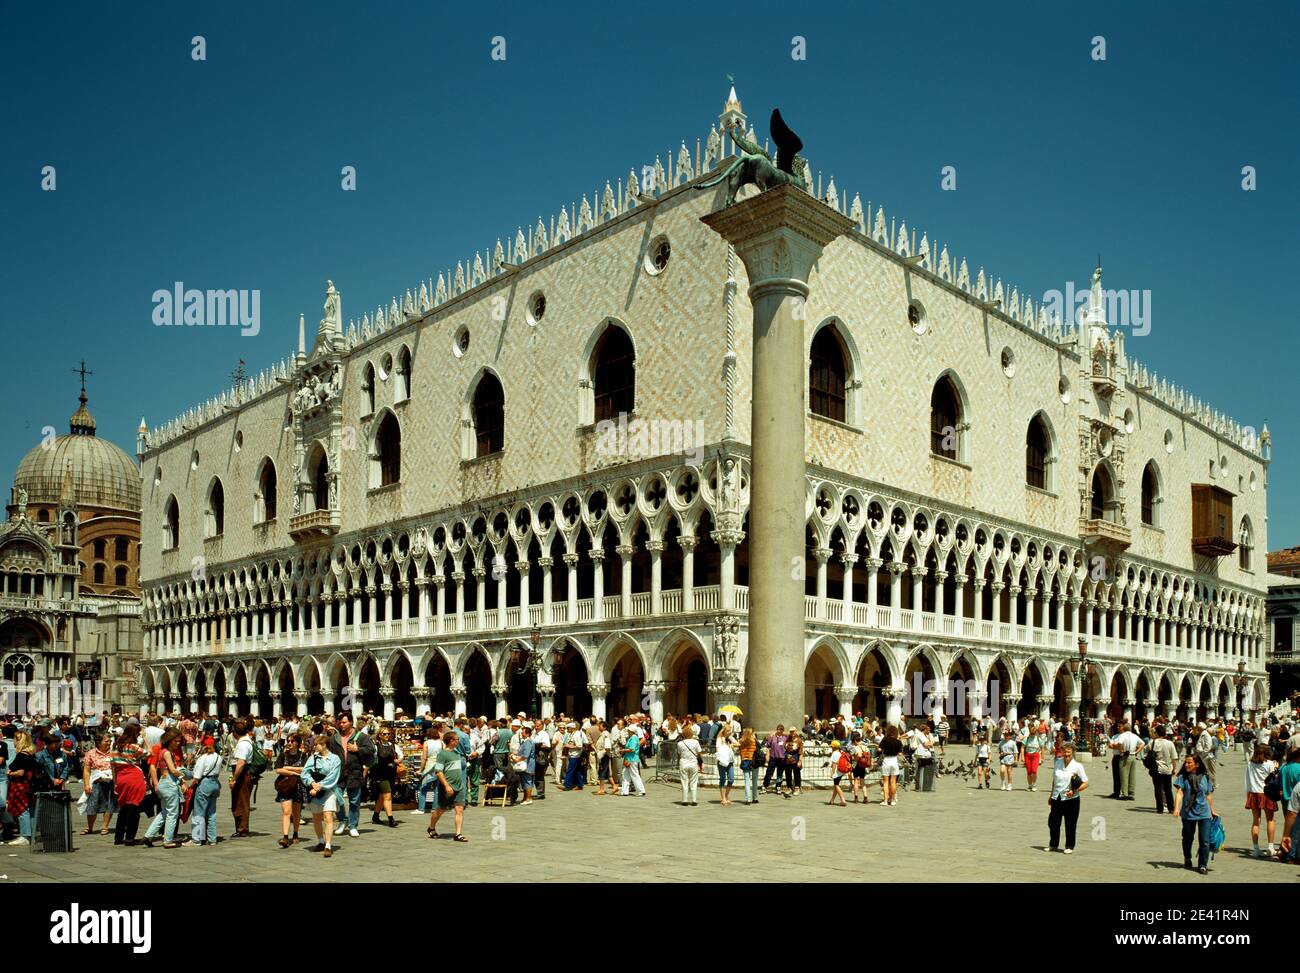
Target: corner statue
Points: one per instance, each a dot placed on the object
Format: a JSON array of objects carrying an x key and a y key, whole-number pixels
[{"x": 754, "y": 166}]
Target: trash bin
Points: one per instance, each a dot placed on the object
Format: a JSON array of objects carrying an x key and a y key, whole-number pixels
[{"x": 52, "y": 828}]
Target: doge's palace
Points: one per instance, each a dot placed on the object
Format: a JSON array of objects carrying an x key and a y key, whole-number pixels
[{"x": 525, "y": 483}]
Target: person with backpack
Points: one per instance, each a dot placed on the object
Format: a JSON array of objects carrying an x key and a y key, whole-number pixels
[
  {"x": 241, "y": 777},
  {"x": 750, "y": 752},
  {"x": 1263, "y": 791},
  {"x": 857, "y": 754},
  {"x": 1194, "y": 805},
  {"x": 841, "y": 765}
]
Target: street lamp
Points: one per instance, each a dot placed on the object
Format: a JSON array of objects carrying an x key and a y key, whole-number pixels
[
  {"x": 531, "y": 660},
  {"x": 1239, "y": 680},
  {"x": 1079, "y": 669}
]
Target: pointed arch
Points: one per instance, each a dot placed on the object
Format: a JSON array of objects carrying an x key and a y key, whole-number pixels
[
  {"x": 949, "y": 418},
  {"x": 484, "y": 413}
]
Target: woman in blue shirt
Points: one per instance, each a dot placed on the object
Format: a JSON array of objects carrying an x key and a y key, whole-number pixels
[
  {"x": 320, "y": 776},
  {"x": 1193, "y": 802}
]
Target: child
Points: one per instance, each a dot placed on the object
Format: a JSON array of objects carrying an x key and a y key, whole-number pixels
[
  {"x": 1007, "y": 751},
  {"x": 840, "y": 765},
  {"x": 982, "y": 764}
]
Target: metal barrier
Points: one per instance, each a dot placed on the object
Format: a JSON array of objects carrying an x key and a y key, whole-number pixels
[{"x": 816, "y": 771}]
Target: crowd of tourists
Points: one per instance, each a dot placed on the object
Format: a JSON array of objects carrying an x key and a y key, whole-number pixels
[{"x": 322, "y": 770}]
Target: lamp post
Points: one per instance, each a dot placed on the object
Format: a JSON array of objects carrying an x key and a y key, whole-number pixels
[
  {"x": 1079, "y": 669},
  {"x": 1239, "y": 680}
]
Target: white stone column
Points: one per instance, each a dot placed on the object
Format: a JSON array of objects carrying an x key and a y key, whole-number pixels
[
  {"x": 499, "y": 570},
  {"x": 597, "y": 556},
  {"x": 728, "y": 541},
  {"x": 499, "y": 691},
  {"x": 918, "y": 572},
  {"x": 599, "y": 691},
  {"x": 778, "y": 234},
  {"x": 873, "y": 568},
  {"x": 571, "y": 562},
  {"x": 844, "y": 698},
  {"x": 480, "y": 604},
  {"x": 848, "y": 560},
  {"x": 687, "y": 545},
  {"x": 625, "y": 554},
  {"x": 823, "y": 554},
  {"x": 546, "y": 564},
  {"x": 656, "y": 549}
]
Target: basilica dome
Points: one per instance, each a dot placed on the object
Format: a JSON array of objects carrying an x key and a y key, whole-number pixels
[{"x": 103, "y": 475}]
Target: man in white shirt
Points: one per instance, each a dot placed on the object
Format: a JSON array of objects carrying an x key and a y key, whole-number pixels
[
  {"x": 1127, "y": 745},
  {"x": 153, "y": 732}
]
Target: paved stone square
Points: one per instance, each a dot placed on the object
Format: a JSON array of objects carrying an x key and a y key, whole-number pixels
[{"x": 956, "y": 834}]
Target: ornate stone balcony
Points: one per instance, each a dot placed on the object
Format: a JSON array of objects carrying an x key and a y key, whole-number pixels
[
  {"x": 1105, "y": 533},
  {"x": 314, "y": 523}
]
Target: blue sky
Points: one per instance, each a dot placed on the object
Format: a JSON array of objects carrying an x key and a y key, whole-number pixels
[{"x": 226, "y": 173}]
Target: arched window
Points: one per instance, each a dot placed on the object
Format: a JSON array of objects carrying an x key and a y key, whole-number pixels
[
  {"x": 214, "y": 521},
  {"x": 386, "y": 455},
  {"x": 368, "y": 387},
  {"x": 121, "y": 549},
  {"x": 1038, "y": 447},
  {"x": 119, "y": 576},
  {"x": 1245, "y": 544},
  {"x": 171, "y": 525},
  {"x": 320, "y": 469},
  {"x": 613, "y": 373},
  {"x": 1101, "y": 506},
  {"x": 267, "y": 493},
  {"x": 403, "y": 375},
  {"x": 489, "y": 416},
  {"x": 19, "y": 670},
  {"x": 945, "y": 419},
  {"x": 99, "y": 574},
  {"x": 827, "y": 375},
  {"x": 1150, "y": 494},
  {"x": 101, "y": 547}
]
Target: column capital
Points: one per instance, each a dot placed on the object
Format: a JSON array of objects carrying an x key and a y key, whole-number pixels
[
  {"x": 655, "y": 547},
  {"x": 897, "y": 567},
  {"x": 598, "y": 689},
  {"x": 848, "y": 559},
  {"x": 687, "y": 544},
  {"x": 625, "y": 550},
  {"x": 523, "y": 566},
  {"x": 499, "y": 690},
  {"x": 571, "y": 559},
  {"x": 779, "y": 234},
  {"x": 546, "y": 563},
  {"x": 728, "y": 538},
  {"x": 823, "y": 554}
]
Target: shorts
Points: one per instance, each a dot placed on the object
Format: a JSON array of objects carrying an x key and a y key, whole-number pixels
[
  {"x": 889, "y": 767},
  {"x": 1258, "y": 802},
  {"x": 860, "y": 772},
  {"x": 448, "y": 801},
  {"x": 323, "y": 803},
  {"x": 525, "y": 780},
  {"x": 1031, "y": 762},
  {"x": 606, "y": 768},
  {"x": 383, "y": 787},
  {"x": 983, "y": 761}
]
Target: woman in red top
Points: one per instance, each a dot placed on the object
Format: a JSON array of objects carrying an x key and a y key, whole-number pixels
[{"x": 128, "y": 783}]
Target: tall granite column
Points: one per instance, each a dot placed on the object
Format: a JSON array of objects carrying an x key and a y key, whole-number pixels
[{"x": 779, "y": 234}]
